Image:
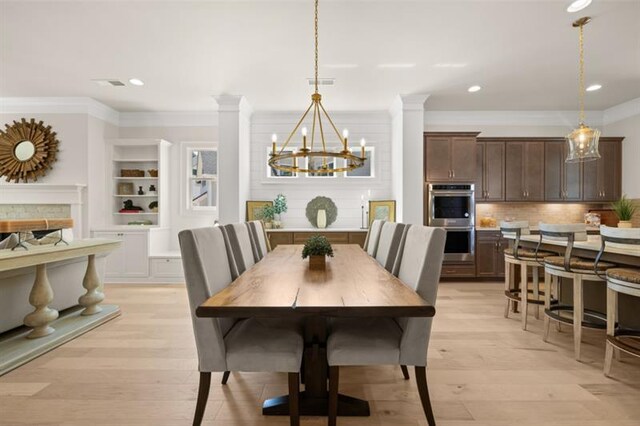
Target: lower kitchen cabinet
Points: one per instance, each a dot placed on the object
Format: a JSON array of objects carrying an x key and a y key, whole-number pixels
[
  {"x": 490, "y": 247},
  {"x": 458, "y": 270}
]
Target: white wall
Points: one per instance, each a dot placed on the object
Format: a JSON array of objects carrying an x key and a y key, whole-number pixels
[
  {"x": 375, "y": 127},
  {"x": 176, "y": 135},
  {"x": 630, "y": 129}
]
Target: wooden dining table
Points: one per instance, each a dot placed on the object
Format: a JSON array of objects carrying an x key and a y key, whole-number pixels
[{"x": 281, "y": 285}]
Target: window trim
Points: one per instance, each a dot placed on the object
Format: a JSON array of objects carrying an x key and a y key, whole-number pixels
[
  {"x": 186, "y": 148},
  {"x": 372, "y": 157},
  {"x": 268, "y": 151}
]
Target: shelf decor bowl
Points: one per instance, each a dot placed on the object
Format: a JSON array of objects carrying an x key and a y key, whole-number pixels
[{"x": 131, "y": 173}]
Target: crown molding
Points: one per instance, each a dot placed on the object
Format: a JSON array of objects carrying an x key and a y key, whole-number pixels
[
  {"x": 343, "y": 117},
  {"x": 510, "y": 118},
  {"x": 620, "y": 112},
  {"x": 59, "y": 105},
  {"x": 169, "y": 119},
  {"x": 408, "y": 103}
]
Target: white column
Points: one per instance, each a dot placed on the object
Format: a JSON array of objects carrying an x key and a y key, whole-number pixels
[
  {"x": 234, "y": 127},
  {"x": 407, "y": 124}
]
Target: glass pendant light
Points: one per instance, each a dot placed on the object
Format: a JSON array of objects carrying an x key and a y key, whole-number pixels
[{"x": 583, "y": 141}]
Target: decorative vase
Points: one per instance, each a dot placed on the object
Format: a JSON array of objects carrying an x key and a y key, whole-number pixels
[
  {"x": 625, "y": 224},
  {"x": 268, "y": 225},
  {"x": 317, "y": 263},
  {"x": 321, "y": 220}
]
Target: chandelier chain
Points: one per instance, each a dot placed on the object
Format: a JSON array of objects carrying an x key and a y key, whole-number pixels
[
  {"x": 316, "y": 46},
  {"x": 581, "y": 83}
]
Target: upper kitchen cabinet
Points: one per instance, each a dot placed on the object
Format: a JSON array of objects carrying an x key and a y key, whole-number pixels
[
  {"x": 602, "y": 180},
  {"x": 563, "y": 181},
  {"x": 450, "y": 157},
  {"x": 489, "y": 170},
  {"x": 524, "y": 170}
]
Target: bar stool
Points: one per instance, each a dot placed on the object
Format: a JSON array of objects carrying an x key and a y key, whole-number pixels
[
  {"x": 579, "y": 270},
  {"x": 526, "y": 259},
  {"x": 620, "y": 280}
]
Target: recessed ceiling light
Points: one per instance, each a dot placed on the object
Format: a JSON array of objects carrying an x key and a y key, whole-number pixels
[
  {"x": 398, "y": 66},
  {"x": 136, "y": 82},
  {"x": 473, "y": 89},
  {"x": 340, "y": 66},
  {"x": 594, "y": 87},
  {"x": 578, "y": 5},
  {"x": 108, "y": 82}
]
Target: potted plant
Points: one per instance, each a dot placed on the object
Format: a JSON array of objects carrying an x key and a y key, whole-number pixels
[
  {"x": 280, "y": 206},
  {"x": 624, "y": 208},
  {"x": 317, "y": 248},
  {"x": 267, "y": 214}
]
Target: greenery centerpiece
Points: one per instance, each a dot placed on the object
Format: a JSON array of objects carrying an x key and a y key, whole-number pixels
[
  {"x": 317, "y": 248},
  {"x": 625, "y": 209},
  {"x": 267, "y": 214},
  {"x": 280, "y": 206}
]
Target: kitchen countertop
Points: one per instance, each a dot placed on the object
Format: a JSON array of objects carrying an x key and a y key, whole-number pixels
[
  {"x": 532, "y": 228},
  {"x": 317, "y": 230},
  {"x": 593, "y": 244}
]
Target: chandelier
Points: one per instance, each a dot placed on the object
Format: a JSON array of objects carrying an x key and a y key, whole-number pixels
[
  {"x": 319, "y": 159},
  {"x": 583, "y": 141}
]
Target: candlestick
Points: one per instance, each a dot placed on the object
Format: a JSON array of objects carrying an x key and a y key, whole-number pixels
[
  {"x": 345, "y": 136},
  {"x": 362, "y": 144},
  {"x": 274, "y": 139},
  {"x": 362, "y": 217},
  {"x": 304, "y": 138},
  {"x": 273, "y": 147}
]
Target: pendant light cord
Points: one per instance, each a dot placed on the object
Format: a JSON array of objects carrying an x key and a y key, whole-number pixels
[
  {"x": 581, "y": 84},
  {"x": 316, "y": 41}
]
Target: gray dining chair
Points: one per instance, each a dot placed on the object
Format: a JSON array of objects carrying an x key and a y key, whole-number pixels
[
  {"x": 259, "y": 240},
  {"x": 390, "y": 243},
  {"x": 393, "y": 341},
  {"x": 238, "y": 244},
  {"x": 371, "y": 241},
  {"x": 226, "y": 344}
]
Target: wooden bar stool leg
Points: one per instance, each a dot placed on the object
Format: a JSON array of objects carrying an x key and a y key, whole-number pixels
[
  {"x": 612, "y": 309},
  {"x": 556, "y": 283},
  {"x": 536, "y": 290},
  {"x": 578, "y": 312},
  {"x": 547, "y": 305},
  {"x": 524, "y": 294},
  {"x": 507, "y": 287}
]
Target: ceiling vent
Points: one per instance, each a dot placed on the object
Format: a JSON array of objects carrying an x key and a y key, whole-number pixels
[
  {"x": 322, "y": 81},
  {"x": 109, "y": 82}
]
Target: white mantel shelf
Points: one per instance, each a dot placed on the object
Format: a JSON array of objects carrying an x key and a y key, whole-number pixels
[
  {"x": 41, "y": 193},
  {"x": 317, "y": 230}
]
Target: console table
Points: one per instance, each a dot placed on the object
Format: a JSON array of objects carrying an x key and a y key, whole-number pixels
[
  {"x": 21, "y": 346},
  {"x": 300, "y": 235}
]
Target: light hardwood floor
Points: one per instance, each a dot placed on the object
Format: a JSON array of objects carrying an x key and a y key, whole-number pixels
[{"x": 483, "y": 370}]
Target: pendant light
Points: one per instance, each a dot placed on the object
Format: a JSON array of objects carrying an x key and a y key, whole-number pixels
[
  {"x": 319, "y": 159},
  {"x": 583, "y": 141}
]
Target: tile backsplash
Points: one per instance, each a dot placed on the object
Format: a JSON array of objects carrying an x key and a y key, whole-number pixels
[
  {"x": 32, "y": 211},
  {"x": 536, "y": 212}
]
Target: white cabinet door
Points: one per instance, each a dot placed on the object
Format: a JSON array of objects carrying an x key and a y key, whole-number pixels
[
  {"x": 130, "y": 260},
  {"x": 136, "y": 260}
]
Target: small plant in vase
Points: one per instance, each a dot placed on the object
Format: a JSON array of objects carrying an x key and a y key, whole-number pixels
[
  {"x": 279, "y": 206},
  {"x": 267, "y": 214},
  {"x": 317, "y": 248},
  {"x": 625, "y": 209}
]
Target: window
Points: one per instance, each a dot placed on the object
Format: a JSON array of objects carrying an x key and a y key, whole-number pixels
[
  {"x": 274, "y": 173},
  {"x": 366, "y": 171},
  {"x": 201, "y": 169},
  {"x": 316, "y": 163}
]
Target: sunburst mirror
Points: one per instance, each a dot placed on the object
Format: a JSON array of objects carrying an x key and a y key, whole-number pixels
[{"x": 27, "y": 150}]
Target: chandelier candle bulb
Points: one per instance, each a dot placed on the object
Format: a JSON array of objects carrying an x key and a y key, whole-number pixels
[
  {"x": 345, "y": 136},
  {"x": 304, "y": 138},
  {"x": 362, "y": 145}
]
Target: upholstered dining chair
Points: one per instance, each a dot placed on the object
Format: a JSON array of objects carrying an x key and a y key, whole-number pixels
[
  {"x": 390, "y": 244},
  {"x": 259, "y": 240},
  {"x": 371, "y": 242},
  {"x": 393, "y": 341},
  {"x": 224, "y": 344},
  {"x": 239, "y": 248}
]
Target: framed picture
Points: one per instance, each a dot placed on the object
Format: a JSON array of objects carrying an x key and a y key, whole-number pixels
[
  {"x": 383, "y": 210},
  {"x": 254, "y": 209},
  {"x": 125, "y": 188}
]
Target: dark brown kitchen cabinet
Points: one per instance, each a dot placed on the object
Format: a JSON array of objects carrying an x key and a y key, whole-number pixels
[
  {"x": 490, "y": 171},
  {"x": 450, "y": 157},
  {"x": 602, "y": 178},
  {"x": 490, "y": 247},
  {"x": 524, "y": 171},
  {"x": 563, "y": 181}
]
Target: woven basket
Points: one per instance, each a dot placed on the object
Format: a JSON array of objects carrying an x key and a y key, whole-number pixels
[
  {"x": 153, "y": 172},
  {"x": 131, "y": 173}
]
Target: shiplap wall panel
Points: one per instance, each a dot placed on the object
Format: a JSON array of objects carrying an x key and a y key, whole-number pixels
[{"x": 375, "y": 127}]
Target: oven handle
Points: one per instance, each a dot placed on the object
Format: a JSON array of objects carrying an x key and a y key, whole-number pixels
[
  {"x": 452, "y": 193},
  {"x": 459, "y": 228}
]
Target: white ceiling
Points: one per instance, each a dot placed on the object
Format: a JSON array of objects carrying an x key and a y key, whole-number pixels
[{"x": 523, "y": 53}]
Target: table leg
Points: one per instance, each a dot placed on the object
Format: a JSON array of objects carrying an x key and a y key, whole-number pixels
[
  {"x": 314, "y": 400},
  {"x": 91, "y": 282},
  {"x": 40, "y": 297}
]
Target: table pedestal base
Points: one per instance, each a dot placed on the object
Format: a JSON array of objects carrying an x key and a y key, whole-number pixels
[{"x": 313, "y": 406}]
